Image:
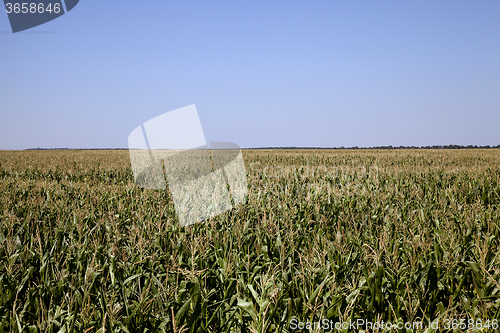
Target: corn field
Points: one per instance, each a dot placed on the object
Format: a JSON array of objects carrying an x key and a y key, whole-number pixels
[{"x": 393, "y": 235}]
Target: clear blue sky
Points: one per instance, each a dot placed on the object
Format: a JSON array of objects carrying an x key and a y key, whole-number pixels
[{"x": 261, "y": 73}]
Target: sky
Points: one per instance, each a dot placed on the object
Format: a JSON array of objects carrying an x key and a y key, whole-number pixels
[{"x": 270, "y": 73}]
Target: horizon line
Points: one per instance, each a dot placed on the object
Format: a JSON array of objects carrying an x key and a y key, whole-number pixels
[{"x": 390, "y": 147}]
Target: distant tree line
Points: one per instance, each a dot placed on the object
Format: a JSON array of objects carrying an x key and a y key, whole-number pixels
[
  {"x": 355, "y": 147},
  {"x": 392, "y": 147},
  {"x": 435, "y": 147}
]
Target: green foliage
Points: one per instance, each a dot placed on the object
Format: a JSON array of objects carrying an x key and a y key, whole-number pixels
[{"x": 381, "y": 235}]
